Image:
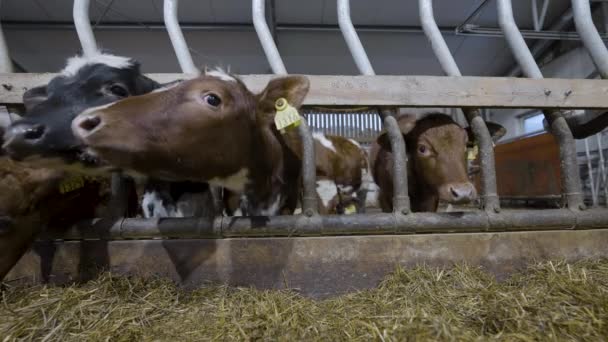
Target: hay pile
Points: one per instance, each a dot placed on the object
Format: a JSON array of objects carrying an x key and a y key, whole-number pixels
[{"x": 551, "y": 301}]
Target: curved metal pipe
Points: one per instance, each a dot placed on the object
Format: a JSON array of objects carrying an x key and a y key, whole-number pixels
[
  {"x": 589, "y": 35},
  {"x": 6, "y": 64},
  {"x": 309, "y": 174},
  {"x": 489, "y": 194},
  {"x": 261, "y": 28},
  {"x": 83, "y": 27},
  {"x": 177, "y": 38},
  {"x": 571, "y": 183},
  {"x": 352, "y": 39},
  {"x": 518, "y": 45}
]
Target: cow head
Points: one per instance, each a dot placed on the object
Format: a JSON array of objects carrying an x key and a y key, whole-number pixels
[
  {"x": 436, "y": 148},
  {"x": 211, "y": 128},
  {"x": 44, "y": 134}
]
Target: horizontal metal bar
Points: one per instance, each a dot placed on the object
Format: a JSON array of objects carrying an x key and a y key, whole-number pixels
[
  {"x": 473, "y": 30},
  {"x": 466, "y": 30},
  {"x": 400, "y": 91},
  {"x": 370, "y": 224}
]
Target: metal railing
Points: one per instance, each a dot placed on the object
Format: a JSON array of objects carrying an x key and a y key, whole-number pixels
[{"x": 401, "y": 221}]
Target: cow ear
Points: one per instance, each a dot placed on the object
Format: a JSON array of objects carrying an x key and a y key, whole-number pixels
[
  {"x": 293, "y": 88},
  {"x": 34, "y": 96},
  {"x": 405, "y": 122},
  {"x": 146, "y": 85},
  {"x": 497, "y": 131}
]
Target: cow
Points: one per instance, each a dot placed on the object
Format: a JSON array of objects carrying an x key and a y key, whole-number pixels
[
  {"x": 33, "y": 199},
  {"x": 340, "y": 164},
  {"x": 44, "y": 137},
  {"x": 210, "y": 129},
  {"x": 436, "y": 168}
]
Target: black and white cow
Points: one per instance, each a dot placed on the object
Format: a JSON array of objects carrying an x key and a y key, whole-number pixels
[{"x": 43, "y": 137}]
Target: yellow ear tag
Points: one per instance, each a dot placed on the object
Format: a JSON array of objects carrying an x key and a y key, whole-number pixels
[
  {"x": 472, "y": 153},
  {"x": 71, "y": 183},
  {"x": 286, "y": 116},
  {"x": 351, "y": 209}
]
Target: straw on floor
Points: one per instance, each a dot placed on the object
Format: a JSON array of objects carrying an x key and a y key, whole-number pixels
[{"x": 550, "y": 301}]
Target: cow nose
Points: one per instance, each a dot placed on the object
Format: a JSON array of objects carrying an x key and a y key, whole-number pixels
[
  {"x": 85, "y": 125},
  {"x": 90, "y": 123},
  {"x": 24, "y": 138},
  {"x": 27, "y": 132},
  {"x": 462, "y": 193}
]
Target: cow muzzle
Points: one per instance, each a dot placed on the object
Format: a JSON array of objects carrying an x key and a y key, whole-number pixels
[
  {"x": 24, "y": 139},
  {"x": 458, "y": 193}
]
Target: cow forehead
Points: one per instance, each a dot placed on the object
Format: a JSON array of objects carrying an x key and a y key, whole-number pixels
[
  {"x": 76, "y": 63},
  {"x": 446, "y": 136}
]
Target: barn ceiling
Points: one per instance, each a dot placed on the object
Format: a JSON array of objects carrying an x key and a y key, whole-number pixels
[{"x": 44, "y": 48}]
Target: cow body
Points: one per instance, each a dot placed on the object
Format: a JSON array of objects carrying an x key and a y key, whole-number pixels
[
  {"x": 340, "y": 165},
  {"x": 437, "y": 169},
  {"x": 218, "y": 132},
  {"x": 44, "y": 138}
]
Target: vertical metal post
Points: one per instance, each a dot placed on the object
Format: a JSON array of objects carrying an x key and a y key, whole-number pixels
[
  {"x": 6, "y": 64},
  {"x": 589, "y": 35},
  {"x": 309, "y": 176},
  {"x": 489, "y": 196},
  {"x": 265, "y": 36},
  {"x": 571, "y": 183},
  {"x": 352, "y": 39},
  {"x": 177, "y": 38},
  {"x": 602, "y": 165},
  {"x": 401, "y": 203},
  {"x": 83, "y": 27},
  {"x": 590, "y": 170}
]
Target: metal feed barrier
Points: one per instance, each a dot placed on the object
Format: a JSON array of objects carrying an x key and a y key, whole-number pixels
[{"x": 386, "y": 93}]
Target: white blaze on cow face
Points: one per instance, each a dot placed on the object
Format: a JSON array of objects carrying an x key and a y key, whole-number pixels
[
  {"x": 235, "y": 182},
  {"x": 327, "y": 190},
  {"x": 322, "y": 139},
  {"x": 76, "y": 63},
  {"x": 221, "y": 74}
]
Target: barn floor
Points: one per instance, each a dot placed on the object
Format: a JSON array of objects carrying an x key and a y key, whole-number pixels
[{"x": 552, "y": 300}]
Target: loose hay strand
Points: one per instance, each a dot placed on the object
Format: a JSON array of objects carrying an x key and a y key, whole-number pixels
[{"x": 550, "y": 301}]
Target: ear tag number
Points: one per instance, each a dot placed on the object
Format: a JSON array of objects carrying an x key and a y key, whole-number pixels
[
  {"x": 472, "y": 152},
  {"x": 287, "y": 116}
]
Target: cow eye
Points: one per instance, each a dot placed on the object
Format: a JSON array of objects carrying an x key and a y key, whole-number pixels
[
  {"x": 212, "y": 100},
  {"x": 422, "y": 149},
  {"x": 119, "y": 90}
]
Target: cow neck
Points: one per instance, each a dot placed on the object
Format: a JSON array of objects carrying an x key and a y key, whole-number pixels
[{"x": 266, "y": 184}]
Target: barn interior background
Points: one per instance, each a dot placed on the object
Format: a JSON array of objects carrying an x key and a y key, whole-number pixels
[{"x": 40, "y": 36}]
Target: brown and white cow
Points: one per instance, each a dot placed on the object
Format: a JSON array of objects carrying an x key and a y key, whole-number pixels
[
  {"x": 211, "y": 129},
  {"x": 437, "y": 165},
  {"x": 341, "y": 164}
]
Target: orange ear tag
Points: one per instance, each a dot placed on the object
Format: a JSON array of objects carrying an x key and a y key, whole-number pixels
[{"x": 287, "y": 116}]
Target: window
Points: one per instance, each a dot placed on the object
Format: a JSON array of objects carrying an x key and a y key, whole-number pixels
[{"x": 533, "y": 123}]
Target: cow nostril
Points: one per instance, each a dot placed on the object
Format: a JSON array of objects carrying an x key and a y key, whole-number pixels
[
  {"x": 34, "y": 132},
  {"x": 454, "y": 192},
  {"x": 90, "y": 123}
]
